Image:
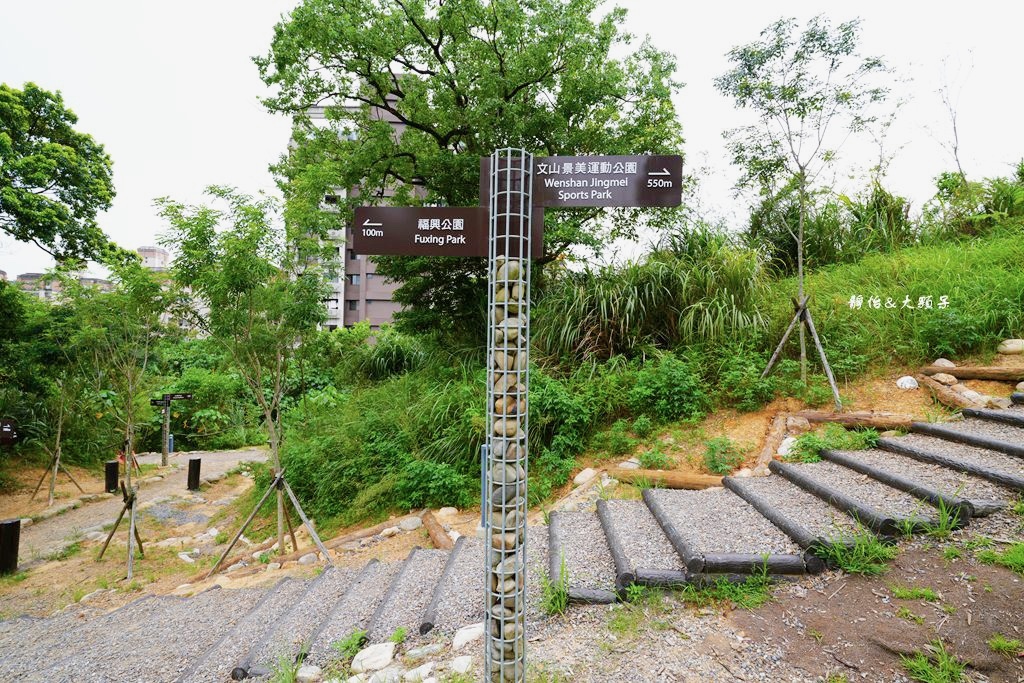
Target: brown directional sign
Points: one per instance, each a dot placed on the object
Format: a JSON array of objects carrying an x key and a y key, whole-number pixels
[
  {"x": 425, "y": 231},
  {"x": 177, "y": 397},
  {"x": 159, "y": 402},
  {"x": 607, "y": 181}
]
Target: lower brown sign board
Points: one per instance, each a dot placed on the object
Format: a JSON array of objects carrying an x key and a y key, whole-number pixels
[
  {"x": 604, "y": 181},
  {"x": 432, "y": 231}
]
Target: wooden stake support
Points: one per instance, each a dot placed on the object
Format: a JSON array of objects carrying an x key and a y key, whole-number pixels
[{"x": 802, "y": 315}]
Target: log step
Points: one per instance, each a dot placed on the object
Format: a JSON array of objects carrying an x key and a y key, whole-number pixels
[
  {"x": 974, "y": 432},
  {"x": 457, "y": 598},
  {"x": 717, "y": 532},
  {"x": 291, "y": 633},
  {"x": 1017, "y": 397},
  {"x": 999, "y": 468},
  {"x": 354, "y": 610},
  {"x": 640, "y": 550},
  {"x": 806, "y": 518},
  {"x": 410, "y": 593},
  {"x": 215, "y": 665},
  {"x": 1010, "y": 416},
  {"x": 974, "y": 496},
  {"x": 880, "y": 507},
  {"x": 577, "y": 540}
]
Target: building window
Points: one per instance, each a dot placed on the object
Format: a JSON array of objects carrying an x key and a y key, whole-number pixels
[
  {"x": 369, "y": 276},
  {"x": 353, "y": 305},
  {"x": 351, "y": 255},
  {"x": 353, "y": 279},
  {"x": 331, "y": 200}
]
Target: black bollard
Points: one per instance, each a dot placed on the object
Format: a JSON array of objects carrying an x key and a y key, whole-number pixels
[
  {"x": 111, "y": 472},
  {"x": 10, "y": 535},
  {"x": 193, "y": 473}
]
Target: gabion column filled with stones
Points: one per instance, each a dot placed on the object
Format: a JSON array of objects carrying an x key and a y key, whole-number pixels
[{"x": 508, "y": 344}]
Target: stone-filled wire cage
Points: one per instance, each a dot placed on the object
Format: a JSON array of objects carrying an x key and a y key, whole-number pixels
[{"x": 508, "y": 342}]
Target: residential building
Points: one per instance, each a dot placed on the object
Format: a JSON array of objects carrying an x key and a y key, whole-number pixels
[{"x": 48, "y": 289}]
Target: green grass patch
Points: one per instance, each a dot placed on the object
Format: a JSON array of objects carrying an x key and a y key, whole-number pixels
[
  {"x": 904, "y": 613},
  {"x": 1012, "y": 558},
  {"x": 349, "y": 646},
  {"x": 865, "y": 554},
  {"x": 399, "y": 635},
  {"x": 907, "y": 593},
  {"x": 834, "y": 437},
  {"x": 65, "y": 553},
  {"x": 554, "y": 595},
  {"x": 1002, "y": 645},
  {"x": 934, "y": 665},
  {"x": 753, "y": 592},
  {"x": 12, "y": 579}
]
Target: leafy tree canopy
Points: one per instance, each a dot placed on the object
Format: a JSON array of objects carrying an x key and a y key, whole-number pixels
[
  {"x": 460, "y": 79},
  {"x": 53, "y": 179}
]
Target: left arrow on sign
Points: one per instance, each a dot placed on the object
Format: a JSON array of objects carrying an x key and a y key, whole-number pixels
[{"x": 368, "y": 224}]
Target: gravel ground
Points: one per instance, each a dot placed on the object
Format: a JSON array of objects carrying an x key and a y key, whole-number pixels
[
  {"x": 217, "y": 663},
  {"x": 411, "y": 595},
  {"x": 536, "y": 567},
  {"x": 869, "y": 492},
  {"x": 980, "y": 457},
  {"x": 993, "y": 430},
  {"x": 718, "y": 521},
  {"x": 354, "y": 609},
  {"x": 302, "y": 621},
  {"x": 806, "y": 509},
  {"x": 643, "y": 542},
  {"x": 23, "y": 634},
  {"x": 587, "y": 558},
  {"x": 172, "y": 513},
  {"x": 462, "y": 599},
  {"x": 935, "y": 477}
]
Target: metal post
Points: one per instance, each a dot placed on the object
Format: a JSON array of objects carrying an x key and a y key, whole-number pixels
[
  {"x": 167, "y": 430},
  {"x": 193, "y": 473},
  {"x": 10, "y": 536},
  {"x": 508, "y": 345},
  {"x": 483, "y": 486},
  {"x": 111, "y": 472}
]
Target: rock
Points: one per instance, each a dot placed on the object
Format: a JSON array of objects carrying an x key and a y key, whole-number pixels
[
  {"x": 188, "y": 558},
  {"x": 997, "y": 402},
  {"x": 419, "y": 674},
  {"x": 183, "y": 589},
  {"x": 584, "y": 476},
  {"x": 461, "y": 665},
  {"x": 608, "y": 482},
  {"x": 92, "y": 596},
  {"x": 309, "y": 673},
  {"x": 377, "y": 656},
  {"x": 631, "y": 464},
  {"x": 944, "y": 363},
  {"x": 1020, "y": 387},
  {"x": 391, "y": 531},
  {"x": 1011, "y": 347},
  {"x": 309, "y": 558},
  {"x": 973, "y": 396},
  {"x": 797, "y": 425},
  {"x": 447, "y": 512},
  {"x": 358, "y": 678},
  {"x": 235, "y": 566},
  {"x": 351, "y": 546},
  {"x": 889, "y": 433},
  {"x": 787, "y": 445},
  {"x": 745, "y": 472},
  {"x": 468, "y": 634},
  {"x": 389, "y": 675},
  {"x": 244, "y": 540},
  {"x": 943, "y": 378},
  {"x": 423, "y": 652},
  {"x": 906, "y": 383},
  {"x": 571, "y": 507},
  {"x": 273, "y": 566},
  {"x": 410, "y": 524},
  {"x": 212, "y": 532},
  {"x": 95, "y": 536},
  {"x": 171, "y": 542}
]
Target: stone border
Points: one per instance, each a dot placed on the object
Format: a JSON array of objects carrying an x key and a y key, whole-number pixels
[
  {"x": 968, "y": 439},
  {"x": 1007, "y": 480}
]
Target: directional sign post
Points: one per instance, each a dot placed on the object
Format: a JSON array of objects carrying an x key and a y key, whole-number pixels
[
  {"x": 514, "y": 188},
  {"x": 165, "y": 402}
]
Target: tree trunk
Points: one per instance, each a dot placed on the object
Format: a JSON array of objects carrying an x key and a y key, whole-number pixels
[
  {"x": 989, "y": 373},
  {"x": 861, "y": 419},
  {"x": 440, "y": 539},
  {"x": 670, "y": 479},
  {"x": 800, "y": 276},
  {"x": 944, "y": 394},
  {"x": 275, "y": 457}
]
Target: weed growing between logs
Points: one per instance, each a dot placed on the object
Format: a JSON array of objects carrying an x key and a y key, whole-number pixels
[
  {"x": 555, "y": 594},
  {"x": 833, "y": 437},
  {"x": 862, "y": 554},
  {"x": 934, "y": 665},
  {"x": 349, "y": 646},
  {"x": 286, "y": 670},
  {"x": 748, "y": 594}
]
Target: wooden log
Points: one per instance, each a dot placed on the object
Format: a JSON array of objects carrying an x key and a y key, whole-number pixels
[
  {"x": 438, "y": 536},
  {"x": 669, "y": 479},
  {"x": 429, "y": 618},
  {"x": 772, "y": 440},
  {"x": 860, "y": 419},
  {"x": 981, "y": 372},
  {"x": 624, "y": 574},
  {"x": 945, "y": 395}
]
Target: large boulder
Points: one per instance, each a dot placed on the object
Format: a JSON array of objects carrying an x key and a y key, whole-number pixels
[
  {"x": 1011, "y": 347},
  {"x": 906, "y": 383},
  {"x": 374, "y": 658}
]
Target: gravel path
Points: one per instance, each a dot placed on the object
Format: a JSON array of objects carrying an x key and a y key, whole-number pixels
[
  {"x": 298, "y": 624},
  {"x": 462, "y": 599},
  {"x": 353, "y": 610},
  {"x": 812, "y": 513},
  {"x": 718, "y": 521},
  {"x": 980, "y": 492},
  {"x": 20, "y": 634},
  {"x": 993, "y": 430},
  {"x": 217, "y": 663},
  {"x": 588, "y": 561},
  {"x": 51, "y": 535},
  {"x": 979, "y": 457},
  {"x": 869, "y": 492},
  {"x": 643, "y": 542},
  {"x": 411, "y": 595}
]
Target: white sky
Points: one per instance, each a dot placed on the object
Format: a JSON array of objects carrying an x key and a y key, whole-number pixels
[{"x": 170, "y": 90}]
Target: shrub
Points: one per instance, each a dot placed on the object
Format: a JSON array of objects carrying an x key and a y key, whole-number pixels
[
  {"x": 832, "y": 437},
  {"x": 721, "y": 455},
  {"x": 643, "y": 426},
  {"x": 423, "y": 483},
  {"x": 741, "y": 384},
  {"x": 669, "y": 389},
  {"x": 654, "y": 459}
]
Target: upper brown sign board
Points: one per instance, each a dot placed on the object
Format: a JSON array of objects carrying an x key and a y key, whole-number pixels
[
  {"x": 605, "y": 181},
  {"x": 433, "y": 231}
]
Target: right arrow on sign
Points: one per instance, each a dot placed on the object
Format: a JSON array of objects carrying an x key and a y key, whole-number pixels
[{"x": 663, "y": 171}]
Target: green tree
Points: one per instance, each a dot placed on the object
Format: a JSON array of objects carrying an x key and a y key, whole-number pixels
[
  {"x": 810, "y": 90},
  {"x": 459, "y": 79},
  {"x": 53, "y": 179},
  {"x": 251, "y": 291}
]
